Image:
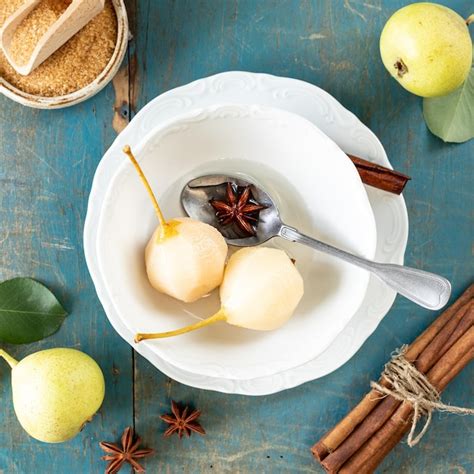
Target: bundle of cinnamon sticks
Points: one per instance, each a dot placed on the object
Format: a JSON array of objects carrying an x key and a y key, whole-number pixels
[{"x": 360, "y": 442}]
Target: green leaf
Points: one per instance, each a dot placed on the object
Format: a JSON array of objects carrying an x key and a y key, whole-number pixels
[
  {"x": 28, "y": 311},
  {"x": 451, "y": 117}
]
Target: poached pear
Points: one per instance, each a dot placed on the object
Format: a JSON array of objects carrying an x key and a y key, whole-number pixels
[
  {"x": 184, "y": 258},
  {"x": 55, "y": 392},
  {"x": 427, "y": 48},
  {"x": 261, "y": 290}
]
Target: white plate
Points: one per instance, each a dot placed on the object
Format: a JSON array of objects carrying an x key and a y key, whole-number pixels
[
  {"x": 344, "y": 128},
  {"x": 317, "y": 190}
]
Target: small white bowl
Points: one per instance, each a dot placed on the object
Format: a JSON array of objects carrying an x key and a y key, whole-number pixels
[
  {"x": 318, "y": 191},
  {"x": 59, "y": 102}
]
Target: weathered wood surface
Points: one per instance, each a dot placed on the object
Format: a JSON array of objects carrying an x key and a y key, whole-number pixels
[{"x": 47, "y": 161}]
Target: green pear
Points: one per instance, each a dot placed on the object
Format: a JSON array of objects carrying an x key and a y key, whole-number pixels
[
  {"x": 55, "y": 392},
  {"x": 427, "y": 48}
]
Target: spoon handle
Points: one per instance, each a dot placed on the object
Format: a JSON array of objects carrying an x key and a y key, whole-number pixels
[{"x": 423, "y": 288}]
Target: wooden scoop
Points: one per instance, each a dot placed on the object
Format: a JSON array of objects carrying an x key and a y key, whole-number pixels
[{"x": 76, "y": 16}]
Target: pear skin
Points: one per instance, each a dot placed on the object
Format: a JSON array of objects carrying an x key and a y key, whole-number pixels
[
  {"x": 427, "y": 48},
  {"x": 184, "y": 258},
  {"x": 188, "y": 265},
  {"x": 261, "y": 290},
  {"x": 55, "y": 392}
]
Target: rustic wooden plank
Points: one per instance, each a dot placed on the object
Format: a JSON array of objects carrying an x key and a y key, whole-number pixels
[{"x": 47, "y": 161}]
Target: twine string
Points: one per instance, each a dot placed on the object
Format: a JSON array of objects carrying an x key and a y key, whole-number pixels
[{"x": 408, "y": 384}]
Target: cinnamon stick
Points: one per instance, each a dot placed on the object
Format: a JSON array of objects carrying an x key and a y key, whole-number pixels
[
  {"x": 379, "y": 445},
  {"x": 457, "y": 326},
  {"x": 379, "y": 176},
  {"x": 331, "y": 441},
  {"x": 372, "y": 423},
  {"x": 422, "y": 341},
  {"x": 454, "y": 371},
  {"x": 463, "y": 326},
  {"x": 438, "y": 372},
  {"x": 341, "y": 431}
]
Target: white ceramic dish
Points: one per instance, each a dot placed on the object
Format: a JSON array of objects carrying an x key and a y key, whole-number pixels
[
  {"x": 350, "y": 134},
  {"x": 318, "y": 190},
  {"x": 90, "y": 90}
]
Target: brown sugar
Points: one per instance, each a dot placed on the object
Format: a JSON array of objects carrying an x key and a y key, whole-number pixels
[{"x": 74, "y": 65}]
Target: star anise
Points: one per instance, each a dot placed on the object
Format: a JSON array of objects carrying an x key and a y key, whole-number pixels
[
  {"x": 128, "y": 453},
  {"x": 182, "y": 423},
  {"x": 242, "y": 209}
]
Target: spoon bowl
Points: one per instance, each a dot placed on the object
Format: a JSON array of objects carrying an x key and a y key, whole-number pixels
[{"x": 197, "y": 194}]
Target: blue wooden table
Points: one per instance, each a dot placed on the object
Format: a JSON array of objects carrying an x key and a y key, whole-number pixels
[{"x": 47, "y": 162}]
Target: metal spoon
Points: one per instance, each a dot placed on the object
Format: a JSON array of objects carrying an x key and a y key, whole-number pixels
[{"x": 425, "y": 289}]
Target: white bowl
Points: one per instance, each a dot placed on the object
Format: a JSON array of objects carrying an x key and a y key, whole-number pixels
[
  {"x": 318, "y": 190},
  {"x": 60, "y": 102}
]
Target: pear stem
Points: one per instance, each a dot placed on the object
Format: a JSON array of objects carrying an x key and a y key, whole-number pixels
[
  {"x": 127, "y": 150},
  {"x": 10, "y": 360},
  {"x": 470, "y": 19},
  {"x": 219, "y": 316}
]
